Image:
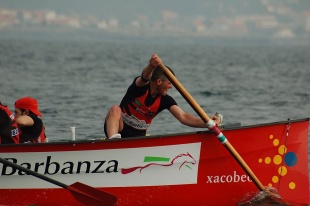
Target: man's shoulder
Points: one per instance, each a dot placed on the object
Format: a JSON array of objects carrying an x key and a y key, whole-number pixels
[
  {"x": 135, "y": 86},
  {"x": 134, "y": 89}
]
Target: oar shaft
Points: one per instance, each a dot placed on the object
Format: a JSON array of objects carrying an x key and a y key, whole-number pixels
[
  {"x": 185, "y": 93},
  {"x": 205, "y": 118},
  {"x": 16, "y": 166},
  {"x": 243, "y": 164}
]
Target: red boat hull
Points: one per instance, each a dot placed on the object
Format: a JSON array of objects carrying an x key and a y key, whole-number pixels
[{"x": 179, "y": 169}]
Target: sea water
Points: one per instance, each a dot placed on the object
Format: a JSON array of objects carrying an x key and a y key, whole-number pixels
[{"x": 76, "y": 82}]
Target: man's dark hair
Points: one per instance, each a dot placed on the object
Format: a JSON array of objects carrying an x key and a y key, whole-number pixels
[{"x": 158, "y": 74}]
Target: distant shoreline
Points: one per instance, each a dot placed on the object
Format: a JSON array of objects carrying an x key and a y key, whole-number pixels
[{"x": 65, "y": 34}]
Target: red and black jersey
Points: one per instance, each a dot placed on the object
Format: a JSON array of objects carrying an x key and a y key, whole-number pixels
[{"x": 139, "y": 109}]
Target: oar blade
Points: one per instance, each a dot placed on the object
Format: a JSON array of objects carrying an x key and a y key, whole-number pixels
[{"x": 91, "y": 196}]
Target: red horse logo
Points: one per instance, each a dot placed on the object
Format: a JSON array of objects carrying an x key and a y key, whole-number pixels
[{"x": 188, "y": 160}]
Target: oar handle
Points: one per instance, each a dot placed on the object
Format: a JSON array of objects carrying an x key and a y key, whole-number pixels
[
  {"x": 206, "y": 119},
  {"x": 16, "y": 166}
]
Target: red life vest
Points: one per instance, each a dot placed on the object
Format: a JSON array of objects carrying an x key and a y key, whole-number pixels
[
  {"x": 42, "y": 136},
  {"x": 138, "y": 115},
  {"x": 13, "y": 125}
]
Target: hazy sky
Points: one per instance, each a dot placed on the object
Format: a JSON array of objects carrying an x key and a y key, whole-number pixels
[
  {"x": 108, "y": 8},
  {"x": 288, "y": 13}
]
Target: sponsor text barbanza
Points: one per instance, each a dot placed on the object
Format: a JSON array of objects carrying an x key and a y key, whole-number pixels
[{"x": 52, "y": 167}]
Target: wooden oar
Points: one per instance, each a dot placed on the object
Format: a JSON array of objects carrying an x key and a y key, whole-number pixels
[
  {"x": 206, "y": 119},
  {"x": 83, "y": 193}
]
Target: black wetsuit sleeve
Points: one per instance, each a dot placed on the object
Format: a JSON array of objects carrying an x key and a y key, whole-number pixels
[
  {"x": 166, "y": 102},
  {"x": 5, "y": 128},
  {"x": 4, "y": 120}
]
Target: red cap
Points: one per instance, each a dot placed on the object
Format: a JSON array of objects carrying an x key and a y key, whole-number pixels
[{"x": 28, "y": 103}]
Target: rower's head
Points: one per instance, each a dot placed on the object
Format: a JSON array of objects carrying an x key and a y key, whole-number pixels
[
  {"x": 26, "y": 105},
  {"x": 159, "y": 79}
]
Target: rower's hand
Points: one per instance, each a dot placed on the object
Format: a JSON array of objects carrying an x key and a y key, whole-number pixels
[
  {"x": 218, "y": 118},
  {"x": 155, "y": 61}
]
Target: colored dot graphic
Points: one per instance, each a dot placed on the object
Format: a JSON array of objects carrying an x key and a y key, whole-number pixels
[{"x": 283, "y": 159}]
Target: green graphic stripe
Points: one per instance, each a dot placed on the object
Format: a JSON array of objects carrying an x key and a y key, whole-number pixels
[
  {"x": 188, "y": 167},
  {"x": 156, "y": 159}
]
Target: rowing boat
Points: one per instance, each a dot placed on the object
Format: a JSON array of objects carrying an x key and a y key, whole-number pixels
[{"x": 176, "y": 169}]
